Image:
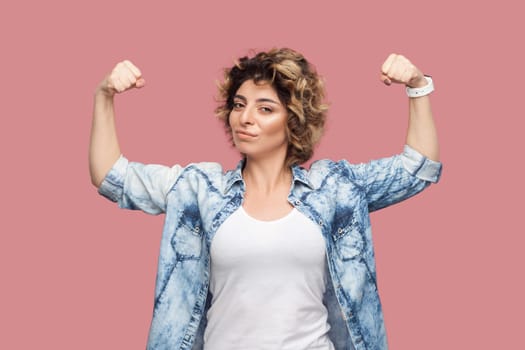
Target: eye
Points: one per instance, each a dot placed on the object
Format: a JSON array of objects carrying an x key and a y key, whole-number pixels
[
  {"x": 265, "y": 109},
  {"x": 237, "y": 105}
]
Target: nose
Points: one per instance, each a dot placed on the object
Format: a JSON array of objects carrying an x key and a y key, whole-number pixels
[{"x": 246, "y": 116}]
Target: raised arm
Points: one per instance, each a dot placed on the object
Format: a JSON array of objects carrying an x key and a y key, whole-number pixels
[
  {"x": 104, "y": 149},
  {"x": 421, "y": 134}
]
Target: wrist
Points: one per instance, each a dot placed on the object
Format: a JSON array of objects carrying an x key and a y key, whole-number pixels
[
  {"x": 103, "y": 93},
  {"x": 103, "y": 101},
  {"x": 422, "y": 87},
  {"x": 420, "y": 82},
  {"x": 103, "y": 89}
]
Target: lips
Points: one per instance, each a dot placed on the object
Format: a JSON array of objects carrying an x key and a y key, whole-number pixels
[{"x": 245, "y": 133}]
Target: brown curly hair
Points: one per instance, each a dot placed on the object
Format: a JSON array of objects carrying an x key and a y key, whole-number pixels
[{"x": 299, "y": 88}]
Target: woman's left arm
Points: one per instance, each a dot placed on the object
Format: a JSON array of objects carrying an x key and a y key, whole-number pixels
[{"x": 421, "y": 134}]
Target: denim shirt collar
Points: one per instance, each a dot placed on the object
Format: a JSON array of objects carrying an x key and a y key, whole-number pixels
[
  {"x": 234, "y": 176},
  {"x": 299, "y": 174}
]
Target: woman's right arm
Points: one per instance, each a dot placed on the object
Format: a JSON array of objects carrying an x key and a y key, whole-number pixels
[{"x": 104, "y": 149}]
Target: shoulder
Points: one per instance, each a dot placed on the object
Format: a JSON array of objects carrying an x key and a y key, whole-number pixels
[
  {"x": 205, "y": 167},
  {"x": 208, "y": 170},
  {"x": 209, "y": 174},
  {"x": 329, "y": 167}
]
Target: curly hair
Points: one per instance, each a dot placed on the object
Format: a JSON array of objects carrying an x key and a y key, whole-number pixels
[{"x": 299, "y": 88}]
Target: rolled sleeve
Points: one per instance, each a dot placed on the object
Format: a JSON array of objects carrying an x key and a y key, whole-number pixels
[
  {"x": 138, "y": 186},
  {"x": 112, "y": 186},
  {"x": 420, "y": 166}
]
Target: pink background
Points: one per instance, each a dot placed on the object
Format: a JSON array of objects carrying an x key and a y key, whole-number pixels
[{"x": 78, "y": 273}]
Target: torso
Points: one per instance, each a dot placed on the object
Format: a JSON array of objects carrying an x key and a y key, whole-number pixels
[{"x": 268, "y": 279}]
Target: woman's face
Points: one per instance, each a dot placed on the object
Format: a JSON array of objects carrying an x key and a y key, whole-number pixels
[{"x": 258, "y": 121}]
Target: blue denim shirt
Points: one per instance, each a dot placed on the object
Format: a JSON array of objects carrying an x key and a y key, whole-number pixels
[{"x": 337, "y": 196}]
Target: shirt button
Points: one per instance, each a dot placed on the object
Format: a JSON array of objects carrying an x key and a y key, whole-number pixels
[
  {"x": 320, "y": 222},
  {"x": 340, "y": 231},
  {"x": 297, "y": 202}
]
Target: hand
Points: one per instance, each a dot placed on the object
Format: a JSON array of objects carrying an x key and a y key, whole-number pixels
[
  {"x": 399, "y": 70},
  {"x": 123, "y": 77}
]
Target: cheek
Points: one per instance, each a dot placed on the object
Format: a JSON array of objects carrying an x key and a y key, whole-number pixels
[
  {"x": 277, "y": 127},
  {"x": 233, "y": 120}
]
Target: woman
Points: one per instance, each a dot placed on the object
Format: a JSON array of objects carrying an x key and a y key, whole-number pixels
[{"x": 269, "y": 255}]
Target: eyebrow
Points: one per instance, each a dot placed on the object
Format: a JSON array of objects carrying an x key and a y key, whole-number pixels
[{"x": 244, "y": 99}]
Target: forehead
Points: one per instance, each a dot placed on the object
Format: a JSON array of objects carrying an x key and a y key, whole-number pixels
[{"x": 251, "y": 90}]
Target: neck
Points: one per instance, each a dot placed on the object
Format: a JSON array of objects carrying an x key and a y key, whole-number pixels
[{"x": 266, "y": 175}]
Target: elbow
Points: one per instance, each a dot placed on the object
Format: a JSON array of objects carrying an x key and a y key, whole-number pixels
[
  {"x": 96, "y": 179},
  {"x": 96, "y": 183},
  {"x": 98, "y": 173}
]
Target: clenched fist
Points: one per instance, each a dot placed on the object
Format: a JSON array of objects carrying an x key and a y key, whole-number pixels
[
  {"x": 123, "y": 77},
  {"x": 399, "y": 70}
]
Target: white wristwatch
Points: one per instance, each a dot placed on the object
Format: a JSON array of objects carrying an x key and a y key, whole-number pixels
[{"x": 422, "y": 91}]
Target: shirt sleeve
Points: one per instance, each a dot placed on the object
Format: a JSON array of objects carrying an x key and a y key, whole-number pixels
[
  {"x": 390, "y": 180},
  {"x": 139, "y": 186}
]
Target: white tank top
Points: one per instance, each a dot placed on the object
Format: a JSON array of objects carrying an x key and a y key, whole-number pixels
[{"x": 267, "y": 282}]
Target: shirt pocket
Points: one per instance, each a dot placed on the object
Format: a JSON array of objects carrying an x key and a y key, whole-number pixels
[
  {"x": 348, "y": 238},
  {"x": 187, "y": 240}
]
